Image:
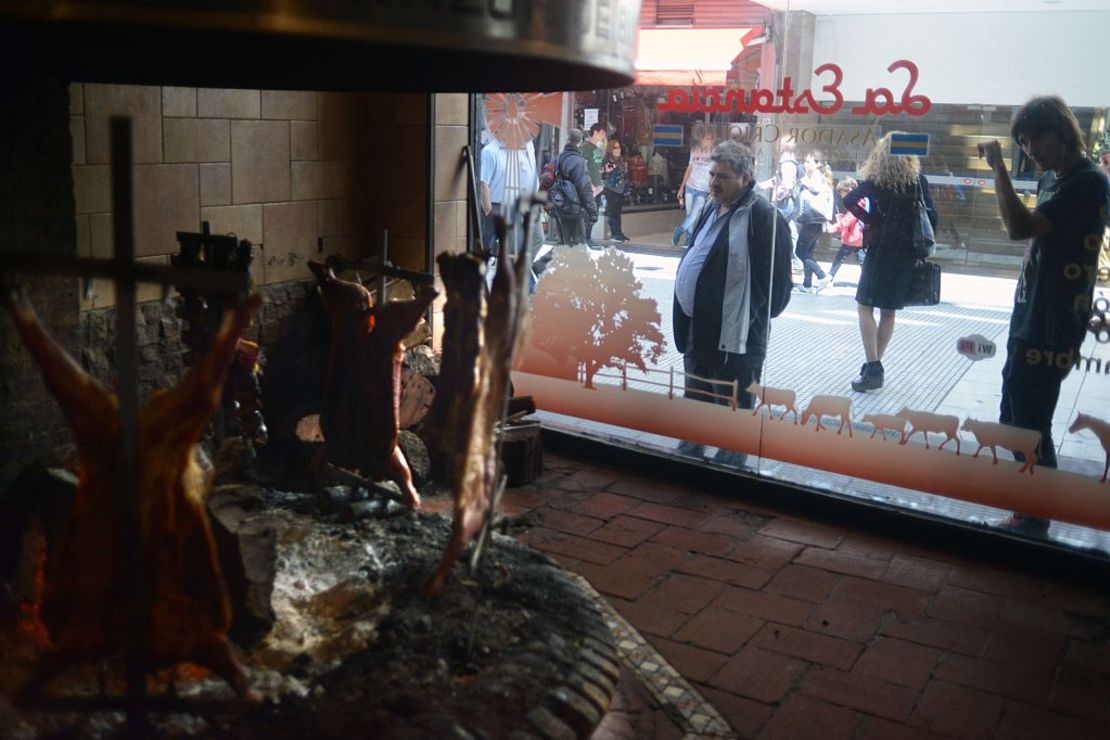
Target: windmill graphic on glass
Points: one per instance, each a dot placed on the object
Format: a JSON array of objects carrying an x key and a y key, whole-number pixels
[{"x": 514, "y": 119}]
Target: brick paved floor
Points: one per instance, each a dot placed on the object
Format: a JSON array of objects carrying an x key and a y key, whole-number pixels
[{"x": 791, "y": 627}]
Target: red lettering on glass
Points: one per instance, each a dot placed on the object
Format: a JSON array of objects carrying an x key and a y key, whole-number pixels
[
  {"x": 877, "y": 101},
  {"x": 880, "y": 101},
  {"x": 833, "y": 88}
]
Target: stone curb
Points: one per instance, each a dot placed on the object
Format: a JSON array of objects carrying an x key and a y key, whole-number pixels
[{"x": 678, "y": 699}]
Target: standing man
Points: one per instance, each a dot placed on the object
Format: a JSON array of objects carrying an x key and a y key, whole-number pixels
[
  {"x": 503, "y": 175},
  {"x": 579, "y": 212},
  {"x": 594, "y": 152},
  {"x": 1052, "y": 302},
  {"x": 733, "y": 277}
]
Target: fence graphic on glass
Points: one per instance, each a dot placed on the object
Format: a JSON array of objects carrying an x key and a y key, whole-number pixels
[{"x": 592, "y": 355}]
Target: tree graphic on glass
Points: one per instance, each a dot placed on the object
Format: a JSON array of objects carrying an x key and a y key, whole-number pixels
[{"x": 589, "y": 314}]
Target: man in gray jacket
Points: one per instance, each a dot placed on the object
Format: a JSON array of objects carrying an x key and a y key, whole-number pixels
[{"x": 733, "y": 278}]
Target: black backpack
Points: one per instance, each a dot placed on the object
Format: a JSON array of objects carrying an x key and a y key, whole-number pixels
[{"x": 562, "y": 196}]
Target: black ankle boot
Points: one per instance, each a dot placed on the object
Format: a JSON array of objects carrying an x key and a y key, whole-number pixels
[{"x": 870, "y": 377}]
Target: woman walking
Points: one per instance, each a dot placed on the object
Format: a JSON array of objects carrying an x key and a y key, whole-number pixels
[
  {"x": 814, "y": 213},
  {"x": 614, "y": 178},
  {"x": 892, "y": 184},
  {"x": 695, "y": 182}
]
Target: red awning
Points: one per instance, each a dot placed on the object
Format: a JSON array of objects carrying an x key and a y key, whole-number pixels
[{"x": 689, "y": 56}]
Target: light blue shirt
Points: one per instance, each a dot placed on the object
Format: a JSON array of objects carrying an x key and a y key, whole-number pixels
[
  {"x": 686, "y": 279},
  {"x": 495, "y": 171}
]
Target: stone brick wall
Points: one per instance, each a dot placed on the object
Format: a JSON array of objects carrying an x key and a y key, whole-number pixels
[
  {"x": 159, "y": 335},
  {"x": 36, "y": 214},
  {"x": 291, "y": 170}
]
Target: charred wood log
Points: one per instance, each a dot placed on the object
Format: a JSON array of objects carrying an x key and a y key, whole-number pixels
[
  {"x": 521, "y": 405},
  {"x": 521, "y": 453},
  {"x": 247, "y": 546},
  {"x": 417, "y": 393}
]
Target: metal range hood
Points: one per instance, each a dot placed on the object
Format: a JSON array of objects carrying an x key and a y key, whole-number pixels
[{"x": 379, "y": 45}]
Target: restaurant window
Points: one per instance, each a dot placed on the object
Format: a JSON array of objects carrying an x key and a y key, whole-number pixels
[{"x": 831, "y": 89}]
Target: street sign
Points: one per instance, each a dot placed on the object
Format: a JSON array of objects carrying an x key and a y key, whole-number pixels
[
  {"x": 909, "y": 144},
  {"x": 666, "y": 135}
]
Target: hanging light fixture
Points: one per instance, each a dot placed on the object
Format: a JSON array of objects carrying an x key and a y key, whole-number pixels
[{"x": 472, "y": 46}]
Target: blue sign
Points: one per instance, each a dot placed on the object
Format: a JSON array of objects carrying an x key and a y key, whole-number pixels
[
  {"x": 666, "y": 135},
  {"x": 907, "y": 144}
]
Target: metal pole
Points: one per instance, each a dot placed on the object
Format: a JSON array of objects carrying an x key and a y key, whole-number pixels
[
  {"x": 385, "y": 261},
  {"x": 430, "y": 206},
  {"x": 131, "y": 564}
]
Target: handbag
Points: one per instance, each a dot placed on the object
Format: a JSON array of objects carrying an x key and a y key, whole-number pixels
[
  {"x": 924, "y": 284},
  {"x": 816, "y": 207},
  {"x": 924, "y": 240}
]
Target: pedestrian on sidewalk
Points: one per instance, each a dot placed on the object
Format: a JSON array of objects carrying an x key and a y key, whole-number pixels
[
  {"x": 891, "y": 186},
  {"x": 733, "y": 278},
  {"x": 814, "y": 213},
  {"x": 785, "y": 187},
  {"x": 1052, "y": 300},
  {"x": 848, "y": 229},
  {"x": 694, "y": 189},
  {"x": 576, "y": 211},
  {"x": 614, "y": 180}
]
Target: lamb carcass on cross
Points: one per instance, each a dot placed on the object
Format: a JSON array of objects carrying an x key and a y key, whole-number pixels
[
  {"x": 84, "y": 600},
  {"x": 362, "y": 397}
]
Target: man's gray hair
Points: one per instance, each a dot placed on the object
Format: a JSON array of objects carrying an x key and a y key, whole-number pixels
[
  {"x": 574, "y": 136},
  {"x": 736, "y": 155}
]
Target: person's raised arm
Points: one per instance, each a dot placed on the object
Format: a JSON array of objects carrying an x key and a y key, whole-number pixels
[{"x": 1020, "y": 221}]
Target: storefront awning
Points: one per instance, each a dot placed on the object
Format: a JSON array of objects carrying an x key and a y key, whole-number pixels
[{"x": 689, "y": 56}]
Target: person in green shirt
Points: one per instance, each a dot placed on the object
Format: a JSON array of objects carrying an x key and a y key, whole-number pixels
[{"x": 594, "y": 152}]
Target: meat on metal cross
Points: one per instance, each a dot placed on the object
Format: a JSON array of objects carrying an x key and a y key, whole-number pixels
[{"x": 126, "y": 273}]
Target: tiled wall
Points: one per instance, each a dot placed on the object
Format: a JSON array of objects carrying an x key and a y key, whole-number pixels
[
  {"x": 280, "y": 168},
  {"x": 451, "y": 135}
]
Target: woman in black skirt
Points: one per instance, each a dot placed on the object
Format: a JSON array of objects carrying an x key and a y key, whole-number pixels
[{"x": 891, "y": 184}]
